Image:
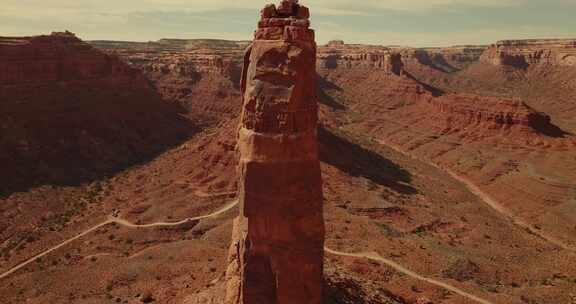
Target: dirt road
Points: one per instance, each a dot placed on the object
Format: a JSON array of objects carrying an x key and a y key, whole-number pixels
[
  {"x": 488, "y": 200},
  {"x": 229, "y": 206},
  {"x": 376, "y": 257}
]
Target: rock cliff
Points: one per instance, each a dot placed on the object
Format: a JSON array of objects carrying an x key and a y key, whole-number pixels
[
  {"x": 466, "y": 111},
  {"x": 524, "y": 53},
  {"x": 449, "y": 59},
  {"x": 168, "y": 45},
  {"x": 188, "y": 72},
  {"x": 61, "y": 57},
  {"x": 183, "y": 76},
  {"x": 339, "y": 55},
  {"x": 69, "y": 112},
  {"x": 459, "y": 55},
  {"x": 276, "y": 254}
]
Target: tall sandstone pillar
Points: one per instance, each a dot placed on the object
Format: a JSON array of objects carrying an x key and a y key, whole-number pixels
[{"x": 276, "y": 254}]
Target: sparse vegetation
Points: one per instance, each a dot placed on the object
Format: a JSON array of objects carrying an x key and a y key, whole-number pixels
[{"x": 389, "y": 231}]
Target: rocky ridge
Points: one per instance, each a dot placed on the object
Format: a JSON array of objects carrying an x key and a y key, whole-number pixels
[
  {"x": 339, "y": 55},
  {"x": 62, "y": 105},
  {"x": 525, "y": 53},
  {"x": 60, "y": 57},
  {"x": 167, "y": 45},
  {"x": 449, "y": 59},
  {"x": 485, "y": 113}
]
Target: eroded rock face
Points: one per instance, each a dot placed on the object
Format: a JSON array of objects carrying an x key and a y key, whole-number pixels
[
  {"x": 277, "y": 248},
  {"x": 60, "y": 57},
  {"x": 490, "y": 112},
  {"x": 336, "y": 54},
  {"x": 181, "y": 76},
  {"x": 524, "y": 53},
  {"x": 71, "y": 113},
  {"x": 449, "y": 59}
]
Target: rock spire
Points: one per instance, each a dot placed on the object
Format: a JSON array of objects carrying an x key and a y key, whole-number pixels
[{"x": 276, "y": 254}]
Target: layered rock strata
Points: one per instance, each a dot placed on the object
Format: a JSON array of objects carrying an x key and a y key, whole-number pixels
[
  {"x": 449, "y": 59},
  {"x": 490, "y": 112},
  {"x": 60, "y": 57},
  {"x": 276, "y": 254},
  {"x": 181, "y": 76},
  {"x": 70, "y": 113},
  {"x": 524, "y": 53},
  {"x": 336, "y": 54}
]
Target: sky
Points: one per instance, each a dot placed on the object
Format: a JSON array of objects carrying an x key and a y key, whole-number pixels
[{"x": 416, "y": 23}]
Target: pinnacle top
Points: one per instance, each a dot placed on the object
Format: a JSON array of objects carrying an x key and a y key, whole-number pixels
[
  {"x": 288, "y": 21},
  {"x": 286, "y": 9}
]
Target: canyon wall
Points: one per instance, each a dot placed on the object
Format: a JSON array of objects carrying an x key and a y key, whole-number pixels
[
  {"x": 459, "y": 54},
  {"x": 60, "y": 57},
  {"x": 524, "y": 53},
  {"x": 69, "y": 112},
  {"x": 189, "y": 74},
  {"x": 182, "y": 76},
  {"x": 487, "y": 113},
  {"x": 448, "y": 59},
  {"x": 339, "y": 55}
]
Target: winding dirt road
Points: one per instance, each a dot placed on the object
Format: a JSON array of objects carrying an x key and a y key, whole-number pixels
[
  {"x": 229, "y": 206},
  {"x": 171, "y": 224},
  {"x": 122, "y": 222},
  {"x": 378, "y": 258},
  {"x": 36, "y": 257},
  {"x": 488, "y": 200}
]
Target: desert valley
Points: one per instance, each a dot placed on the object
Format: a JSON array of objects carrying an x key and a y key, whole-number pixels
[{"x": 449, "y": 174}]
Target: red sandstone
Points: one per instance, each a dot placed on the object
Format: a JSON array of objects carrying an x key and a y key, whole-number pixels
[{"x": 277, "y": 247}]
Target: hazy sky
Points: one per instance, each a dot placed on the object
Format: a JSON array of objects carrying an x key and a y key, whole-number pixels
[{"x": 388, "y": 22}]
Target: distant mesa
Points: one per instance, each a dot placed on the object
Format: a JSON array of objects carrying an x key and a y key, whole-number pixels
[
  {"x": 448, "y": 59},
  {"x": 336, "y": 54},
  {"x": 60, "y": 56},
  {"x": 522, "y": 54},
  {"x": 336, "y": 44},
  {"x": 63, "y": 34},
  {"x": 494, "y": 113}
]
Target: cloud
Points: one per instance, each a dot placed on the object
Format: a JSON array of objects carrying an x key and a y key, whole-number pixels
[
  {"x": 43, "y": 7},
  {"x": 407, "y": 22},
  {"x": 485, "y": 36}
]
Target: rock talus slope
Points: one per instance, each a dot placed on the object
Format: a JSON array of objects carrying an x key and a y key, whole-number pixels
[{"x": 276, "y": 254}]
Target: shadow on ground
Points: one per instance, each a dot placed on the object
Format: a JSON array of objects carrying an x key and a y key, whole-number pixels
[
  {"x": 355, "y": 160},
  {"x": 70, "y": 136},
  {"x": 546, "y": 127},
  {"x": 324, "y": 98}
]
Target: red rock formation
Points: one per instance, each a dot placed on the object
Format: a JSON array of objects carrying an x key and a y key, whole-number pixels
[
  {"x": 336, "y": 44},
  {"x": 276, "y": 254},
  {"x": 459, "y": 56},
  {"x": 524, "y": 53},
  {"x": 176, "y": 76},
  {"x": 339, "y": 55},
  {"x": 69, "y": 112},
  {"x": 484, "y": 113},
  {"x": 449, "y": 59},
  {"x": 167, "y": 45},
  {"x": 60, "y": 57},
  {"x": 187, "y": 64},
  {"x": 204, "y": 81}
]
